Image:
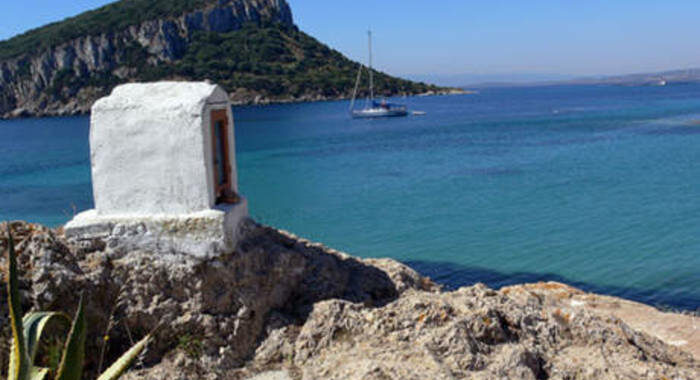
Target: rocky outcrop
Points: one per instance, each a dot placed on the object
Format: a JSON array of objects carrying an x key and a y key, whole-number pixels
[
  {"x": 281, "y": 307},
  {"x": 31, "y": 84},
  {"x": 675, "y": 328}
]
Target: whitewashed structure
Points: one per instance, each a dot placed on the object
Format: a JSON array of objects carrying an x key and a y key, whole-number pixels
[{"x": 163, "y": 170}]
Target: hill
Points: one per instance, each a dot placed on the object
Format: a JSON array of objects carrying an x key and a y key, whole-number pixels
[
  {"x": 663, "y": 78},
  {"x": 644, "y": 79},
  {"x": 251, "y": 47}
]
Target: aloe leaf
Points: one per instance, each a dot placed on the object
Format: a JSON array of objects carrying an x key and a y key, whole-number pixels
[
  {"x": 19, "y": 362},
  {"x": 38, "y": 373},
  {"x": 34, "y": 324},
  {"x": 122, "y": 364},
  {"x": 71, "y": 367}
]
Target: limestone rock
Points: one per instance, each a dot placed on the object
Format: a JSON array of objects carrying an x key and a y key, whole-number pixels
[
  {"x": 218, "y": 306},
  {"x": 474, "y": 333},
  {"x": 284, "y": 307}
]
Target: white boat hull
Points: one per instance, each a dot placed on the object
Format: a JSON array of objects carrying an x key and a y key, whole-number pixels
[
  {"x": 373, "y": 109},
  {"x": 378, "y": 112}
]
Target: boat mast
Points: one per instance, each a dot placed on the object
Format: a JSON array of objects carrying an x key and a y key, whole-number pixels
[
  {"x": 354, "y": 91},
  {"x": 371, "y": 84}
]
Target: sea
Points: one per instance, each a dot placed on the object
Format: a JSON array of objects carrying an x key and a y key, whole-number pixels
[{"x": 595, "y": 186}]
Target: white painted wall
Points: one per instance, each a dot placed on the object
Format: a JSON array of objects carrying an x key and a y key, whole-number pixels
[{"x": 151, "y": 148}]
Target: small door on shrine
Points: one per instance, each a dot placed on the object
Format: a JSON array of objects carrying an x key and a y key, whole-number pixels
[{"x": 222, "y": 161}]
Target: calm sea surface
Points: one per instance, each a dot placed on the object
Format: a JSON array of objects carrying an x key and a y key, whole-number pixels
[{"x": 597, "y": 186}]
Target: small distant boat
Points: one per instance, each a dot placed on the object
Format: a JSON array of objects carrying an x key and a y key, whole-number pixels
[
  {"x": 381, "y": 109},
  {"x": 372, "y": 107}
]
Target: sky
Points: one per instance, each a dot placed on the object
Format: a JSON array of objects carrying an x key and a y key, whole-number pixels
[{"x": 467, "y": 38}]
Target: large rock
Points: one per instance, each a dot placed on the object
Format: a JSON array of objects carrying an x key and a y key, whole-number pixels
[
  {"x": 214, "y": 310},
  {"x": 677, "y": 329},
  {"x": 283, "y": 307},
  {"x": 472, "y": 333}
]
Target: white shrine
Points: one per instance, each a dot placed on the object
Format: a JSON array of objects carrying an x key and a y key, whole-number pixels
[{"x": 163, "y": 170}]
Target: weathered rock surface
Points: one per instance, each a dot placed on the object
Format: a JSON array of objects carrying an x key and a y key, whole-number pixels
[
  {"x": 677, "y": 329},
  {"x": 282, "y": 307}
]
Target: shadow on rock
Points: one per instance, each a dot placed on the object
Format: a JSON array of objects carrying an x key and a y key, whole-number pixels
[{"x": 213, "y": 313}]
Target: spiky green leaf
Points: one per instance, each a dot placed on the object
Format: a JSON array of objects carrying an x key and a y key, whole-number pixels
[
  {"x": 38, "y": 373},
  {"x": 122, "y": 364},
  {"x": 71, "y": 367},
  {"x": 34, "y": 324},
  {"x": 19, "y": 361}
]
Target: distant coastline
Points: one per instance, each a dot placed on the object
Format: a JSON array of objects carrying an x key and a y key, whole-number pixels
[
  {"x": 256, "y": 101},
  {"x": 320, "y": 98},
  {"x": 663, "y": 78}
]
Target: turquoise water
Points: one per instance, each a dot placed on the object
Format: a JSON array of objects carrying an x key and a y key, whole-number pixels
[{"x": 592, "y": 185}]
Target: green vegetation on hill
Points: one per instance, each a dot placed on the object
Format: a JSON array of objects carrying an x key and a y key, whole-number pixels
[
  {"x": 109, "y": 18},
  {"x": 263, "y": 57},
  {"x": 274, "y": 61}
]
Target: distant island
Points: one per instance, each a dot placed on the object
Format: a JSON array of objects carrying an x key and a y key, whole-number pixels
[
  {"x": 662, "y": 78},
  {"x": 252, "y": 48}
]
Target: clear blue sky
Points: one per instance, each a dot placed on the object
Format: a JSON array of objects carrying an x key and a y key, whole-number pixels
[{"x": 467, "y": 36}]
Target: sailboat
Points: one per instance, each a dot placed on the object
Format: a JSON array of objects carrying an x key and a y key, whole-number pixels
[{"x": 372, "y": 107}]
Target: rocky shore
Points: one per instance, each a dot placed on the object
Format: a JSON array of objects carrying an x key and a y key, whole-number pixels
[
  {"x": 81, "y": 106},
  {"x": 247, "y": 98},
  {"x": 281, "y": 307}
]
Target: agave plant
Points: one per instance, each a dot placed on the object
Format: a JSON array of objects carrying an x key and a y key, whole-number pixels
[{"x": 27, "y": 332}]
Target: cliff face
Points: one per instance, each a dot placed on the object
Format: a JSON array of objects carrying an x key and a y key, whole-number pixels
[{"x": 31, "y": 84}]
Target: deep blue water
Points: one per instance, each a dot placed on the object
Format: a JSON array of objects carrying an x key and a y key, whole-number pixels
[{"x": 597, "y": 186}]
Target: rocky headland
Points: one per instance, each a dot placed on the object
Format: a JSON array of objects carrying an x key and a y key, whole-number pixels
[
  {"x": 250, "y": 47},
  {"x": 281, "y": 307}
]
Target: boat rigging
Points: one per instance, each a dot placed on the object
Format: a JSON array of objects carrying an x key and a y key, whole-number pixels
[{"x": 372, "y": 107}]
